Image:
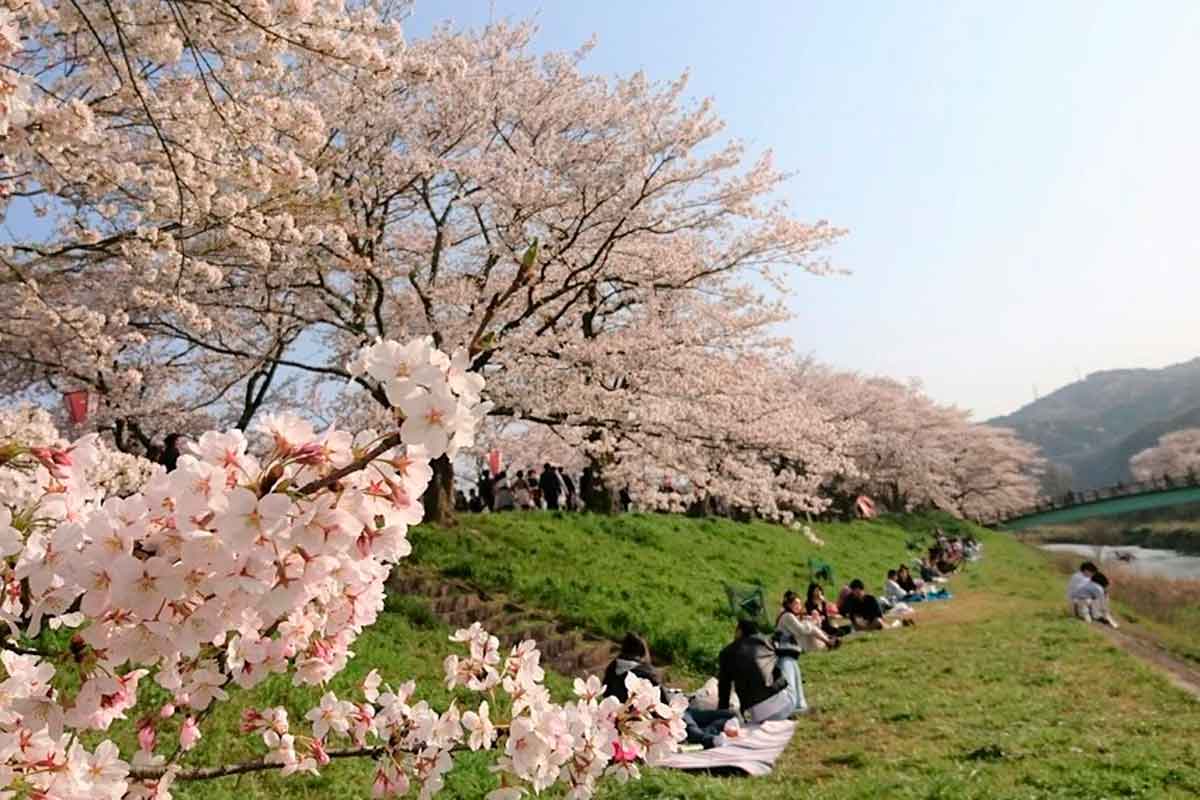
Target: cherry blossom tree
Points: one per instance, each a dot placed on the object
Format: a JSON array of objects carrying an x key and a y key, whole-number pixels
[
  {"x": 237, "y": 200},
  {"x": 1175, "y": 455},
  {"x": 159, "y": 142},
  {"x": 456, "y": 187},
  {"x": 238, "y": 565},
  {"x": 910, "y": 452}
]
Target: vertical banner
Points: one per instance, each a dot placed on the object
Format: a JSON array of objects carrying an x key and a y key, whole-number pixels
[{"x": 77, "y": 406}]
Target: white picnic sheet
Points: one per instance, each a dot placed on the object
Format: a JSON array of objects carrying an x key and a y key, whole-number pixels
[{"x": 754, "y": 751}]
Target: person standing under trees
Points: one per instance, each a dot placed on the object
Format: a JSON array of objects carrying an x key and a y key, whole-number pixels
[
  {"x": 504, "y": 500},
  {"x": 487, "y": 489},
  {"x": 550, "y": 486},
  {"x": 587, "y": 488},
  {"x": 169, "y": 457},
  {"x": 521, "y": 497},
  {"x": 569, "y": 486},
  {"x": 535, "y": 491}
]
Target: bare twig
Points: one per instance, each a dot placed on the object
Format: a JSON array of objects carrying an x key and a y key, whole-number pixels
[{"x": 257, "y": 765}]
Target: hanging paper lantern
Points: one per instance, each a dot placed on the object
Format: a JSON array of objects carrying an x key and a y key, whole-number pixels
[
  {"x": 866, "y": 507},
  {"x": 494, "y": 461},
  {"x": 77, "y": 406}
]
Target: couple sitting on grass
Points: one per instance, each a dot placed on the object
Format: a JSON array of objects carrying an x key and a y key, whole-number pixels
[
  {"x": 1087, "y": 594},
  {"x": 902, "y": 587},
  {"x": 870, "y": 613},
  {"x": 761, "y": 669}
]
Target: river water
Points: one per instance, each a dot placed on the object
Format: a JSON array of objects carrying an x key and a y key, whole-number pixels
[{"x": 1147, "y": 561}]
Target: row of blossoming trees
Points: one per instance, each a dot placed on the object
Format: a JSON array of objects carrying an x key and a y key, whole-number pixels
[
  {"x": 219, "y": 214},
  {"x": 234, "y": 201},
  {"x": 1175, "y": 455}
]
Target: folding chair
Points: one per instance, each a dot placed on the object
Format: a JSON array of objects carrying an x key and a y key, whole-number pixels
[{"x": 746, "y": 601}]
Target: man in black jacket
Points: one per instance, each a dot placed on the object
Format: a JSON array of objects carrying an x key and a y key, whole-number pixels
[
  {"x": 749, "y": 664},
  {"x": 551, "y": 488}
]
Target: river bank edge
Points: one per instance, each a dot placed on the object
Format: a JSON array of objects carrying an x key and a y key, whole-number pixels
[
  {"x": 1157, "y": 611},
  {"x": 1183, "y": 539}
]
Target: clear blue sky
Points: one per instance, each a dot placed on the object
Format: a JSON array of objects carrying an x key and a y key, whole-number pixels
[{"x": 1019, "y": 180}]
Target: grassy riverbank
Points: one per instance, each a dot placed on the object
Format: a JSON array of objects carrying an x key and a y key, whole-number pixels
[
  {"x": 1175, "y": 528},
  {"x": 1168, "y": 609},
  {"x": 996, "y": 694}
]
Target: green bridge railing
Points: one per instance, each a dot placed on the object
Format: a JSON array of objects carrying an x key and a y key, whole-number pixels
[{"x": 1110, "y": 501}]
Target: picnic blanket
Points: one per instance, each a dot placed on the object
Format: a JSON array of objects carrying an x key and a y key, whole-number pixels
[
  {"x": 753, "y": 752},
  {"x": 943, "y": 594}
]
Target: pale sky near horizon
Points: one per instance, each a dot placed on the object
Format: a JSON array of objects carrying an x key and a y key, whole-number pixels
[{"x": 1019, "y": 179}]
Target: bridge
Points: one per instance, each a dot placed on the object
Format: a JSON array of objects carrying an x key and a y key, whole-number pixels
[{"x": 1108, "y": 502}]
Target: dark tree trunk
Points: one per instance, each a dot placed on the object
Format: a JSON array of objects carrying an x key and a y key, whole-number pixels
[{"x": 439, "y": 496}]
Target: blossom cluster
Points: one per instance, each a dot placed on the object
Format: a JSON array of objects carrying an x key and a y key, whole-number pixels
[
  {"x": 544, "y": 742},
  {"x": 107, "y": 472},
  {"x": 14, "y": 88},
  {"x": 238, "y": 565}
]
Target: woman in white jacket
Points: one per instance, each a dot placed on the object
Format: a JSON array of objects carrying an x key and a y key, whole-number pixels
[{"x": 794, "y": 625}]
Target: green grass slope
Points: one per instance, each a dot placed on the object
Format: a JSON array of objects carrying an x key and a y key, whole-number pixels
[
  {"x": 658, "y": 574},
  {"x": 996, "y": 694}
]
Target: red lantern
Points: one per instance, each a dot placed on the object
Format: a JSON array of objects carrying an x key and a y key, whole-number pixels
[
  {"x": 866, "y": 507},
  {"x": 494, "y": 461},
  {"x": 77, "y": 406}
]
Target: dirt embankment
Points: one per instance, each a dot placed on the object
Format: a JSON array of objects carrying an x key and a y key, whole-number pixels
[{"x": 1145, "y": 647}]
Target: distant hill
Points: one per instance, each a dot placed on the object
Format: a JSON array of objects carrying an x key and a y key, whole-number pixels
[{"x": 1094, "y": 425}]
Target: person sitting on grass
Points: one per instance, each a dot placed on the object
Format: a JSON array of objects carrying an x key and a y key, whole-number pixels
[
  {"x": 972, "y": 549},
  {"x": 704, "y": 727},
  {"x": 929, "y": 572},
  {"x": 939, "y": 556},
  {"x": 1089, "y": 598},
  {"x": 1080, "y": 579},
  {"x": 864, "y": 610},
  {"x": 907, "y": 582},
  {"x": 749, "y": 664},
  {"x": 1100, "y": 610},
  {"x": 802, "y": 627},
  {"x": 818, "y": 608},
  {"x": 893, "y": 592},
  {"x": 634, "y": 657}
]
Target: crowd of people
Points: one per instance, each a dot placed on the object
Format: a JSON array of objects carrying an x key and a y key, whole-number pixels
[
  {"x": 552, "y": 489},
  {"x": 763, "y": 669}
]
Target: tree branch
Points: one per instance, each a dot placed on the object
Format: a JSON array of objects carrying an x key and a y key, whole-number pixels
[
  {"x": 258, "y": 765},
  {"x": 389, "y": 441}
]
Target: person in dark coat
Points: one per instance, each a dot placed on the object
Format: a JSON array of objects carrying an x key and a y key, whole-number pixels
[
  {"x": 750, "y": 665},
  {"x": 703, "y": 727},
  {"x": 550, "y": 486},
  {"x": 587, "y": 488},
  {"x": 487, "y": 489},
  {"x": 169, "y": 457},
  {"x": 634, "y": 657}
]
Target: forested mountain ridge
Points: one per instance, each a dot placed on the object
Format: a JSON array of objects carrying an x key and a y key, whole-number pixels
[{"x": 1093, "y": 426}]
